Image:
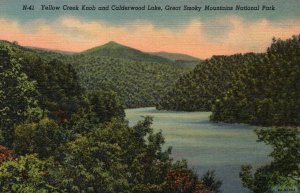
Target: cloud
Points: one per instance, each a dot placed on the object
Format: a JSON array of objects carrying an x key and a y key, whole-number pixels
[{"x": 226, "y": 35}]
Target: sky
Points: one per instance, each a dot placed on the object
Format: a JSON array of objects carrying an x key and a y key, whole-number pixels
[{"x": 198, "y": 33}]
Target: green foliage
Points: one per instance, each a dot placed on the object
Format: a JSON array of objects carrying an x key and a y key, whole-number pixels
[
  {"x": 24, "y": 138},
  {"x": 265, "y": 92},
  {"x": 147, "y": 161},
  {"x": 42, "y": 138},
  {"x": 92, "y": 163},
  {"x": 58, "y": 84},
  {"x": 106, "y": 104},
  {"x": 113, "y": 158},
  {"x": 100, "y": 106},
  {"x": 59, "y": 92},
  {"x": 17, "y": 93},
  {"x": 198, "y": 90},
  {"x": 284, "y": 170},
  {"x": 25, "y": 174},
  {"x": 48, "y": 136}
]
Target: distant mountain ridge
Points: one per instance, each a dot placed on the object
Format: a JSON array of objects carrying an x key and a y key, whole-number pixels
[
  {"x": 115, "y": 50},
  {"x": 175, "y": 56},
  {"x": 37, "y": 49}
]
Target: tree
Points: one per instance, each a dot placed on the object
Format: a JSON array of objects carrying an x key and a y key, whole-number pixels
[
  {"x": 115, "y": 157},
  {"x": 284, "y": 170},
  {"x": 106, "y": 104},
  {"x": 42, "y": 138},
  {"x": 180, "y": 179},
  {"x": 93, "y": 162},
  {"x": 25, "y": 174},
  {"x": 56, "y": 81},
  {"x": 211, "y": 182},
  {"x": 24, "y": 138},
  {"x": 17, "y": 94},
  {"x": 47, "y": 138},
  {"x": 100, "y": 106}
]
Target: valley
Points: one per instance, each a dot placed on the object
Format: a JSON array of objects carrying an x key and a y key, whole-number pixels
[{"x": 94, "y": 111}]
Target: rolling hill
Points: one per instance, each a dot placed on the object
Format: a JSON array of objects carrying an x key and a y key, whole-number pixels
[{"x": 116, "y": 50}]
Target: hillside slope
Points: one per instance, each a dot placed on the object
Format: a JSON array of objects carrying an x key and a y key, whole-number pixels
[
  {"x": 198, "y": 90},
  {"x": 139, "y": 83},
  {"x": 259, "y": 89},
  {"x": 116, "y": 50}
]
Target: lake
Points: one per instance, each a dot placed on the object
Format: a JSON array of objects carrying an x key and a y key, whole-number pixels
[{"x": 206, "y": 145}]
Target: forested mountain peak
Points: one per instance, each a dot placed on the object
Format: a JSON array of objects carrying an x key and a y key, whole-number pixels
[
  {"x": 115, "y": 50},
  {"x": 113, "y": 45}
]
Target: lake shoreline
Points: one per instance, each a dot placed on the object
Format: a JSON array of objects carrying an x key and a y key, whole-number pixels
[{"x": 207, "y": 145}]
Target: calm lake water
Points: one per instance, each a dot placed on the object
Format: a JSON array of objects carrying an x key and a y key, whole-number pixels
[{"x": 207, "y": 145}]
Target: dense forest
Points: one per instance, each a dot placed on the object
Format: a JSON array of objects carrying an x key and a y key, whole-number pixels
[
  {"x": 197, "y": 90},
  {"x": 260, "y": 89},
  {"x": 139, "y": 84},
  {"x": 267, "y": 91},
  {"x": 56, "y": 136}
]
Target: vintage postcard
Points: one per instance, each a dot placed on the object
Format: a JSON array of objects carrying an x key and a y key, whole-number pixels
[{"x": 149, "y": 96}]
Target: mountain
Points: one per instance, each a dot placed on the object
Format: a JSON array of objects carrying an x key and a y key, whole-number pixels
[
  {"x": 179, "y": 59},
  {"x": 116, "y": 50},
  {"x": 175, "y": 56},
  {"x": 138, "y": 78}
]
